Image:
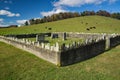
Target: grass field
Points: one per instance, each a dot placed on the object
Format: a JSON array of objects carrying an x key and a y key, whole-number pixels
[
  {"x": 59, "y": 40},
  {"x": 16, "y": 64},
  {"x": 102, "y": 24}
]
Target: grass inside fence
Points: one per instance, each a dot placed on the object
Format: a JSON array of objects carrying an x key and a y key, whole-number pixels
[{"x": 60, "y": 40}]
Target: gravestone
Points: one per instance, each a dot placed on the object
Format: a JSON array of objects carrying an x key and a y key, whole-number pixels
[
  {"x": 54, "y": 35},
  {"x": 57, "y": 46},
  {"x": 64, "y": 36},
  {"x": 40, "y": 38}
]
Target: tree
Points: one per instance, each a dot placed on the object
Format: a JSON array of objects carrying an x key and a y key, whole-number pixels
[
  {"x": 103, "y": 13},
  {"x": 26, "y": 23},
  {"x": 115, "y": 15},
  {"x": 32, "y": 21}
]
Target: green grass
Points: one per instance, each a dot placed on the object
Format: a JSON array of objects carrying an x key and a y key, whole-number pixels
[
  {"x": 16, "y": 64},
  {"x": 102, "y": 24},
  {"x": 59, "y": 40}
]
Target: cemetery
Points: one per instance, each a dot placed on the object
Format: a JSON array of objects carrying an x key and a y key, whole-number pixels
[{"x": 63, "y": 48}]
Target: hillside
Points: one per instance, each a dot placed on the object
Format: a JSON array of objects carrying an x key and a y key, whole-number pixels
[
  {"x": 79, "y": 24},
  {"x": 16, "y": 64}
]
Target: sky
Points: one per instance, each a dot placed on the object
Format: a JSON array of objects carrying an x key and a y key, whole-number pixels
[{"x": 18, "y": 11}]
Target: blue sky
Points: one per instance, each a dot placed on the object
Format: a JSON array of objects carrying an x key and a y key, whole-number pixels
[{"x": 18, "y": 11}]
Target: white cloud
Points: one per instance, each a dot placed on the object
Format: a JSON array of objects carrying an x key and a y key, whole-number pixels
[
  {"x": 21, "y": 21},
  {"x": 2, "y": 25},
  {"x": 58, "y": 6},
  {"x": 8, "y": 13},
  {"x": 1, "y": 20},
  {"x": 75, "y": 3},
  {"x": 54, "y": 11},
  {"x": 17, "y": 15}
]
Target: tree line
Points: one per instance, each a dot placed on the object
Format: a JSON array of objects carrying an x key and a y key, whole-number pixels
[{"x": 66, "y": 15}]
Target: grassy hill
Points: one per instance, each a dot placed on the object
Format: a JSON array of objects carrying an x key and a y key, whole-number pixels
[
  {"x": 16, "y": 64},
  {"x": 79, "y": 24}
]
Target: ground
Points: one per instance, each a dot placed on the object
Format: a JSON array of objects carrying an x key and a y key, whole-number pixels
[
  {"x": 59, "y": 40},
  {"x": 16, "y": 64}
]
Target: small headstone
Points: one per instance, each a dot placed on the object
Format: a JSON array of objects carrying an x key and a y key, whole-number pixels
[
  {"x": 57, "y": 46},
  {"x": 43, "y": 45},
  {"x": 74, "y": 44},
  {"x": 33, "y": 42},
  {"x": 40, "y": 38},
  {"x": 38, "y": 44},
  {"x": 52, "y": 48},
  {"x": 64, "y": 36},
  {"x": 67, "y": 46},
  {"x": 78, "y": 44},
  {"x": 47, "y": 46},
  {"x": 86, "y": 41},
  {"x": 54, "y": 36}
]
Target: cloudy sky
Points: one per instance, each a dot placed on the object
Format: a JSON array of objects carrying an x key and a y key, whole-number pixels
[{"x": 18, "y": 11}]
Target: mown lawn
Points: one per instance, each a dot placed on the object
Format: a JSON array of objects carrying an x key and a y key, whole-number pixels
[
  {"x": 79, "y": 24},
  {"x": 16, "y": 64},
  {"x": 59, "y": 40}
]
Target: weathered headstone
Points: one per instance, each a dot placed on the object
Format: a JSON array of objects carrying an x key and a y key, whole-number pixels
[
  {"x": 57, "y": 46},
  {"x": 54, "y": 36},
  {"x": 38, "y": 44},
  {"x": 64, "y": 36},
  {"x": 43, "y": 45},
  {"x": 47, "y": 46},
  {"x": 40, "y": 38},
  {"x": 74, "y": 44}
]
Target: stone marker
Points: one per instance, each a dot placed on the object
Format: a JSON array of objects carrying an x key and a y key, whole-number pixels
[
  {"x": 40, "y": 38},
  {"x": 54, "y": 35},
  {"x": 64, "y": 36}
]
